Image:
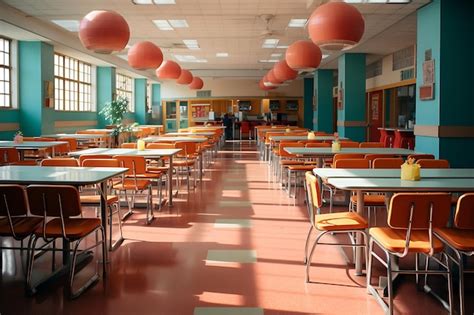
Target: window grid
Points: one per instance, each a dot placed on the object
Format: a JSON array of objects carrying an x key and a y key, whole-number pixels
[
  {"x": 374, "y": 69},
  {"x": 5, "y": 73},
  {"x": 72, "y": 84},
  {"x": 124, "y": 88},
  {"x": 403, "y": 58}
]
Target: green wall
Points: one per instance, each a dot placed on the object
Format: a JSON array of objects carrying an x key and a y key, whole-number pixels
[
  {"x": 308, "y": 103},
  {"x": 323, "y": 115},
  {"x": 141, "y": 115},
  {"x": 105, "y": 91},
  {"x": 156, "y": 104}
]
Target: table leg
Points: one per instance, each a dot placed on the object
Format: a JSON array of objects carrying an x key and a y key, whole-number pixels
[
  {"x": 53, "y": 152},
  {"x": 358, "y": 253},
  {"x": 170, "y": 182},
  {"x": 104, "y": 216},
  {"x": 200, "y": 167}
]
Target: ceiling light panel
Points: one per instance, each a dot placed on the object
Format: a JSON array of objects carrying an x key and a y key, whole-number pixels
[
  {"x": 297, "y": 23},
  {"x": 222, "y": 54},
  {"x": 70, "y": 25},
  {"x": 191, "y": 44},
  {"x": 270, "y": 43},
  {"x": 164, "y": 1},
  {"x": 268, "y": 60},
  {"x": 178, "y": 23},
  {"x": 189, "y": 58},
  {"x": 163, "y": 25},
  {"x": 275, "y": 55}
]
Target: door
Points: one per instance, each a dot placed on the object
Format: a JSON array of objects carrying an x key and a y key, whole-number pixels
[{"x": 375, "y": 112}]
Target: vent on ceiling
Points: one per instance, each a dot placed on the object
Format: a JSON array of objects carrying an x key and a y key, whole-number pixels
[{"x": 203, "y": 93}]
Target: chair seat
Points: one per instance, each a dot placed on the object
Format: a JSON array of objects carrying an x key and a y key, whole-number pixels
[
  {"x": 75, "y": 228},
  {"x": 291, "y": 162},
  {"x": 95, "y": 199},
  {"x": 371, "y": 200},
  {"x": 184, "y": 163},
  {"x": 339, "y": 221},
  {"x": 305, "y": 167},
  {"x": 130, "y": 184},
  {"x": 149, "y": 175},
  {"x": 26, "y": 163},
  {"x": 394, "y": 240},
  {"x": 460, "y": 239},
  {"x": 160, "y": 169},
  {"x": 23, "y": 226}
]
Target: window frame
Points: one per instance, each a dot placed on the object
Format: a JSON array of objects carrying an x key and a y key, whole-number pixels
[
  {"x": 121, "y": 91},
  {"x": 8, "y": 68},
  {"x": 76, "y": 103}
]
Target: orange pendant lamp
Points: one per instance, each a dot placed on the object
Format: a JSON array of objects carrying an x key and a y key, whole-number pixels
[
  {"x": 263, "y": 87},
  {"x": 283, "y": 72},
  {"x": 169, "y": 70},
  {"x": 186, "y": 77},
  {"x": 196, "y": 84},
  {"x": 272, "y": 79},
  {"x": 145, "y": 55},
  {"x": 303, "y": 55},
  {"x": 104, "y": 32},
  {"x": 336, "y": 26}
]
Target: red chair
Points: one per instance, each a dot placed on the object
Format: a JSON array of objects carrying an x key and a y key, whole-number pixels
[{"x": 245, "y": 128}]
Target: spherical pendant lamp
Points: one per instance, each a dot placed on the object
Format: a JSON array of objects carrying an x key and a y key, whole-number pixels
[
  {"x": 272, "y": 79},
  {"x": 196, "y": 84},
  {"x": 283, "y": 72},
  {"x": 303, "y": 55},
  {"x": 262, "y": 86},
  {"x": 169, "y": 70},
  {"x": 104, "y": 32},
  {"x": 186, "y": 77},
  {"x": 336, "y": 26},
  {"x": 145, "y": 55}
]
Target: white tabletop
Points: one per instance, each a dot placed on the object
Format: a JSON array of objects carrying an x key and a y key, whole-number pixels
[
  {"x": 329, "y": 152},
  {"x": 148, "y": 153},
  {"x": 100, "y": 130},
  {"x": 77, "y": 136},
  {"x": 326, "y": 173},
  {"x": 302, "y": 138},
  {"x": 31, "y": 145},
  {"x": 197, "y": 133}
]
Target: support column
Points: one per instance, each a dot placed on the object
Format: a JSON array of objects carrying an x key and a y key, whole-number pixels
[
  {"x": 157, "y": 113},
  {"x": 308, "y": 103},
  {"x": 140, "y": 101},
  {"x": 105, "y": 91},
  {"x": 36, "y": 87},
  {"x": 351, "y": 114},
  {"x": 323, "y": 115},
  {"x": 445, "y": 124}
]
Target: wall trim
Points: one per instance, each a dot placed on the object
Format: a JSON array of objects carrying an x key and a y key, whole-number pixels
[
  {"x": 444, "y": 131},
  {"x": 345, "y": 123},
  {"x": 9, "y": 126},
  {"x": 74, "y": 123},
  {"x": 392, "y": 85}
]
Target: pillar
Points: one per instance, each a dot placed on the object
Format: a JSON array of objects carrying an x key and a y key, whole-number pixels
[
  {"x": 157, "y": 113},
  {"x": 323, "y": 113},
  {"x": 308, "y": 103},
  {"x": 105, "y": 91},
  {"x": 445, "y": 124},
  {"x": 351, "y": 114},
  {"x": 140, "y": 101}
]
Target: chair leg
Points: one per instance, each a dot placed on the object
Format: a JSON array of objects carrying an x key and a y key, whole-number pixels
[
  {"x": 417, "y": 268},
  {"x": 390, "y": 284},
  {"x": 369, "y": 264},
  {"x": 306, "y": 244},
  {"x": 308, "y": 263},
  {"x": 450, "y": 286},
  {"x": 462, "y": 310}
]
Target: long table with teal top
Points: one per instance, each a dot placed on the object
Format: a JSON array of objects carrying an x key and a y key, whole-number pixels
[
  {"x": 149, "y": 154},
  {"x": 32, "y": 145},
  {"x": 197, "y": 133},
  {"x": 80, "y": 137},
  {"x": 174, "y": 139},
  {"x": 325, "y": 173}
]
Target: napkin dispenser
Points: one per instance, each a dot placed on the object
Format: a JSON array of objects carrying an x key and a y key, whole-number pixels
[
  {"x": 336, "y": 146},
  {"x": 140, "y": 145},
  {"x": 311, "y": 136},
  {"x": 410, "y": 171}
]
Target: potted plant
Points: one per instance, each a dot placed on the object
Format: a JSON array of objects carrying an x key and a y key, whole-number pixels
[
  {"x": 18, "y": 138},
  {"x": 114, "y": 112}
]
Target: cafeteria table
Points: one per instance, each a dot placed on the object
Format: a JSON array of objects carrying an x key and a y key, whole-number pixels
[
  {"x": 32, "y": 145},
  {"x": 147, "y": 153},
  {"x": 80, "y": 137},
  {"x": 197, "y": 133}
]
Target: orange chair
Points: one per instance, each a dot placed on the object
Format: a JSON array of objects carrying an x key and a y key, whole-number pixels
[
  {"x": 61, "y": 203},
  {"x": 84, "y": 157},
  {"x": 371, "y": 145},
  {"x": 342, "y": 156},
  {"x": 412, "y": 217},
  {"x": 421, "y": 156},
  {"x": 129, "y": 145},
  {"x": 11, "y": 156},
  {"x": 349, "y": 144},
  {"x": 72, "y": 143},
  {"x": 352, "y": 163},
  {"x": 387, "y": 163},
  {"x": 60, "y": 162},
  {"x": 341, "y": 222},
  {"x": 14, "y": 219},
  {"x": 283, "y": 159},
  {"x": 428, "y": 163},
  {"x": 460, "y": 239},
  {"x": 112, "y": 200},
  {"x": 186, "y": 161},
  {"x": 372, "y": 157},
  {"x": 137, "y": 180},
  {"x": 317, "y": 145}
]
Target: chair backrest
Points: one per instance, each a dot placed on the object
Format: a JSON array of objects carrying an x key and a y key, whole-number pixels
[
  {"x": 136, "y": 164},
  {"x": 72, "y": 143},
  {"x": 342, "y": 156},
  {"x": 283, "y": 145},
  {"x": 421, "y": 156},
  {"x": 372, "y": 157},
  {"x": 188, "y": 148},
  {"x": 84, "y": 157},
  {"x": 387, "y": 163},
  {"x": 352, "y": 163},
  {"x": 54, "y": 200},
  {"x": 317, "y": 145},
  {"x": 101, "y": 163},
  {"x": 313, "y": 195},
  {"x": 244, "y": 127},
  {"x": 349, "y": 144},
  {"x": 160, "y": 145},
  {"x": 59, "y": 162},
  {"x": 129, "y": 145},
  {"x": 424, "y": 205},
  {"x": 13, "y": 201},
  {"x": 9, "y": 155},
  {"x": 428, "y": 163},
  {"x": 464, "y": 217},
  {"x": 371, "y": 145}
]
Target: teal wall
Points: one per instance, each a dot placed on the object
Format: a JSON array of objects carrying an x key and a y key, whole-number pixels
[
  {"x": 9, "y": 116},
  {"x": 140, "y": 101},
  {"x": 105, "y": 91},
  {"x": 156, "y": 104},
  {"x": 323, "y": 115},
  {"x": 351, "y": 77},
  {"x": 308, "y": 93},
  {"x": 441, "y": 25}
]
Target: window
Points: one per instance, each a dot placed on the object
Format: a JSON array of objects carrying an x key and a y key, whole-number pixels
[
  {"x": 5, "y": 73},
  {"x": 124, "y": 88},
  {"x": 404, "y": 58},
  {"x": 374, "y": 69},
  {"x": 72, "y": 84}
]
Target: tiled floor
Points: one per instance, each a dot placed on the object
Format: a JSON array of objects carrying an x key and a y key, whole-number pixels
[{"x": 234, "y": 246}]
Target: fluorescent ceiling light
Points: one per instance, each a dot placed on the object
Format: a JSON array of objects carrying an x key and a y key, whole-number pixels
[
  {"x": 163, "y": 25},
  {"x": 275, "y": 55},
  {"x": 379, "y": 1},
  {"x": 297, "y": 23},
  {"x": 270, "y": 43},
  {"x": 325, "y": 56},
  {"x": 222, "y": 54},
  {"x": 154, "y": 1},
  {"x": 124, "y": 57},
  {"x": 268, "y": 60},
  {"x": 282, "y": 46},
  {"x": 178, "y": 23},
  {"x": 189, "y": 58},
  {"x": 191, "y": 44},
  {"x": 70, "y": 25},
  {"x": 142, "y": 1}
]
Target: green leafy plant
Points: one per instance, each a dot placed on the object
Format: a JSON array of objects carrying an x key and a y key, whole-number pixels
[
  {"x": 114, "y": 112},
  {"x": 19, "y": 133}
]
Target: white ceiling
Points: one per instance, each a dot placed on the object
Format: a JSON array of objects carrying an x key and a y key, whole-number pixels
[{"x": 233, "y": 26}]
